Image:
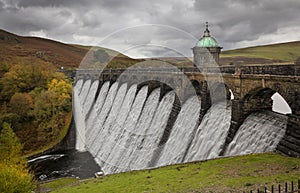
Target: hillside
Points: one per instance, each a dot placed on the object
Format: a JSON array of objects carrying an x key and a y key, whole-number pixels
[
  {"x": 31, "y": 88},
  {"x": 18, "y": 49},
  {"x": 234, "y": 174},
  {"x": 32, "y": 49},
  {"x": 283, "y": 52}
]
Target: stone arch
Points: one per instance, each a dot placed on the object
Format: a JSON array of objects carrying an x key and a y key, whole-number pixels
[
  {"x": 152, "y": 85},
  {"x": 260, "y": 99}
]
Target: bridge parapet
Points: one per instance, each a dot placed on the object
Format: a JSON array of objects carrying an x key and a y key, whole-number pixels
[{"x": 286, "y": 69}]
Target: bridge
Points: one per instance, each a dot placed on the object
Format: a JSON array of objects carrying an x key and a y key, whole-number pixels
[{"x": 249, "y": 87}]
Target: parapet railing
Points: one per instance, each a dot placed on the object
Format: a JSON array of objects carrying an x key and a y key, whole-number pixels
[{"x": 283, "y": 69}]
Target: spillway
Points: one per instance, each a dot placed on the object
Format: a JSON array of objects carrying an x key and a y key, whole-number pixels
[
  {"x": 127, "y": 127},
  {"x": 211, "y": 133},
  {"x": 260, "y": 132}
]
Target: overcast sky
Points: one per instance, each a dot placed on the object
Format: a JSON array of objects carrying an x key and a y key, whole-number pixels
[{"x": 115, "y": 23}]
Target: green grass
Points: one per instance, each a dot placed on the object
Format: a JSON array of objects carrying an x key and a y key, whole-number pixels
[
  {"x": 285, "y": 52},
  {"x": 57, "y": 184},
  {"x": 220, "y": 175}
]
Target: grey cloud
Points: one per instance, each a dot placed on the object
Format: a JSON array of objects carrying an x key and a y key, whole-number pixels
[
  {"x": 86, "y": 22},
  {"x": 50, "y": 3}
]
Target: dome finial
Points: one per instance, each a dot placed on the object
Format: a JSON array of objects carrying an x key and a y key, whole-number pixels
[{"x": 206, "y": 32}]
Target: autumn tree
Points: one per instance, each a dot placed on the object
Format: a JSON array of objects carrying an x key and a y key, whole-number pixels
[
  {"x": 10, "y": 146},
  {"x": 21, "y": 104},
  {"x": 24, "y": 78},
  {"x": 14, "y": 175}
]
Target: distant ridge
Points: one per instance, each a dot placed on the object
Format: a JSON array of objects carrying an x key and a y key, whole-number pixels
[
  {"x": 281, "y": 52},
  {"x": 34, "y": 49},
  {"x": 15, "y": 48}
]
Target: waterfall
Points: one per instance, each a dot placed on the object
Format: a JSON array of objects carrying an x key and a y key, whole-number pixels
[
  {"x": 260, "y": 132},
  {"x": 84, "y": 91},
  {"x": 211, "y": 133},
  {"x": 95, "y": 109},
  {"x": 181, "y": 133},
  {"x": 150, "y": 133},
  {"x": 100, "y": 118},
  {"x": 90, "y": 97},
  {"x": 114, "y": 159},
  {"x": 128, "y": 129},
  {"x": 115, "y": 129},
  {"x": 105, "y": 134},
  {"x": 78, "y": 113}
]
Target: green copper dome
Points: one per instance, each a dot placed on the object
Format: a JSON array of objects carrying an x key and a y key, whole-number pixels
[{"x": 207, "y": 40}]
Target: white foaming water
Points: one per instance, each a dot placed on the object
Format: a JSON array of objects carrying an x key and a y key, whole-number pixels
[
  {"x": 84, "y": 91},
  {"x": 96, "y": 108},
  {"x": 79, "y": 117},
  {"x": 139, "y": 132},
  {"x": 123, "y": 130},
  {"x": 260, "y": 132},
  {"x": 211, "y": 133},
  {"x": 116, "y": 129},
  {"x": 181, "y": 133},
  {"x": 90, "y": 97},
  {"x": 114, "y": 158},
  {"x": 100, "y": 118},
  {"x": 150, "y": 144},
  {"x": 78, "y": 86},
  {"x": 105, "y": 130}
]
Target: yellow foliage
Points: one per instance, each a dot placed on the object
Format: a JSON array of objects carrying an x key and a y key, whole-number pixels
[
  {"x": 14, "y": 178},
  {"x": 62, "y": 88}
]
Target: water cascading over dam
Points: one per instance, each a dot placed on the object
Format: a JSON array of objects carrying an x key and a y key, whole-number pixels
[{"x": 126, "y": 127}]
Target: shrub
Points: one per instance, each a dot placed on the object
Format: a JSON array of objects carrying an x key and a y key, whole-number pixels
[{"x": 14, "y": 178}]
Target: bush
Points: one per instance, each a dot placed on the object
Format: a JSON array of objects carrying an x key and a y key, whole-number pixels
[
  {"x": 14, "y": 178},
  {"x": 14, "y": 175}
]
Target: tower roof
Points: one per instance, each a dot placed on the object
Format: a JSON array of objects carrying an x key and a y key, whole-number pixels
[{"x": 207, "y": 40}]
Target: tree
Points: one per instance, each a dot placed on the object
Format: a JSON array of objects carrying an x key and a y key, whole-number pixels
[
  {"x": 21, "y": 104},
  {"x": 10, "y": 146},
  {"x": 63, "y": 91},
  {"x": 14, "y": 175},
  {"x": 24, "y": 78},
  {"x": 45, "y": 106}
]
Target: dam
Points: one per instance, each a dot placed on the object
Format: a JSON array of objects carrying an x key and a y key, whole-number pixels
[{"x": 149, "y": 117}]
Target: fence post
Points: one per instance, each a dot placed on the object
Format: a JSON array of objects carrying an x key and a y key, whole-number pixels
[
  {"x": 272, "y": 188},
  {"x": 286, "y": 187},
  {"x": 298, "y": 185},
  {"x": 265, "y": 189},
  {"x": 292, "y": 186},
  {"x": 278, "y": 188}
]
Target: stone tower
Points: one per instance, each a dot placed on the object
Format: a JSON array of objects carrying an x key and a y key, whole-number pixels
[{"x": 207, "y": 50}]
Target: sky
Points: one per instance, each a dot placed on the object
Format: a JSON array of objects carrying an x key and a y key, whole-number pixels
[{"x": 154, "y": 28}]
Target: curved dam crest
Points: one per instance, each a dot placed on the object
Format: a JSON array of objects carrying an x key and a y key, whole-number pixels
[{"x": 127, "y": 127}]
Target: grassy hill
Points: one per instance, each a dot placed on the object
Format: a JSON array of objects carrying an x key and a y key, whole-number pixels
[
  {"x": 234, "y": 174},
  {"x": 18, "y": 49},
  {"x": 283, "y": 52}
]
